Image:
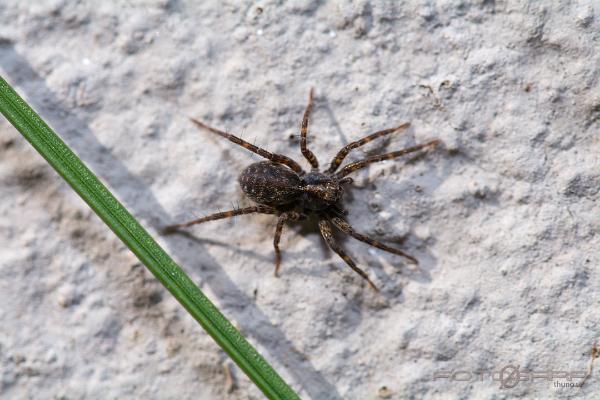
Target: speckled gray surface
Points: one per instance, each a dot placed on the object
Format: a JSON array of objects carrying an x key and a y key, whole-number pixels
[{"x": 502, "y": 217}]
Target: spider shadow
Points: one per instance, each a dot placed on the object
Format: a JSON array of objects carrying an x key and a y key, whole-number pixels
[
  {"x": 309, "y": 229},
  {"x": 427, "y": 260},
  {"x": 226, "y": 245},
  {"x": 266, "y": 259},
  {"x": 130, "y": 188},
  {"x": 330, "y": 114},
  {"x": 405, "y": 269}
]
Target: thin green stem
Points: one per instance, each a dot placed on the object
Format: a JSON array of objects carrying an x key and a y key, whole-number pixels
[{"x": 99, "y": 198}]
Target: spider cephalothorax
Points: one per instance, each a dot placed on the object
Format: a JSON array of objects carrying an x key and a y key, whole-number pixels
[
  {"x": 281, "y": 187},
  {"x": 320, "y": 191}
]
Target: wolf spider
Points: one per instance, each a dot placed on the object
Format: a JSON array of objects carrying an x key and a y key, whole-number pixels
[{"x": 281, "y": 187}]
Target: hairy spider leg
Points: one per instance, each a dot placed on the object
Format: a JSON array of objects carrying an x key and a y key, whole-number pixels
[
  {"x": 348, "y": 169},
  {"x": 286, "y": 216},
  {"x": 221, "y": 215},
  {"x": 312, "y": 159},
  {"x": 335, "y": 163},
  {"x": 348, "y": 230},
  {"x": 325, "y": 228},
  {"x": 277, "y": 158}
]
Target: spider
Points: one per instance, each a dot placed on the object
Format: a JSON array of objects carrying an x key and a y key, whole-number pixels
[{"x": 281, "y": 187}]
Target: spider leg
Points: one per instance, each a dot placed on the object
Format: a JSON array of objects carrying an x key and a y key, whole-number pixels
[
  {"x": 286, "y": 216},
  {"x": 325, "y": 228},
  {"x": 312, "y": 159},
  {"x": 277, "y": 158},
  {"x": 347, "y": 229},
  {"x": 387, "y": 156},
  {"x": 221, "y": 215},
  {"x": 335, "y": 163}
]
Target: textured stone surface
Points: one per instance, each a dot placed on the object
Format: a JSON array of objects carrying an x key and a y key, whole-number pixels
[{"x": 502, "y": 217}]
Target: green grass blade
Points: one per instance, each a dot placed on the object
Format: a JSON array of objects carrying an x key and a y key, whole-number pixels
[{"x": 99, "y": 198}]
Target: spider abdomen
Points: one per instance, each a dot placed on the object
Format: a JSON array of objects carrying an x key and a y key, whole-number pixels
[{"x": 269, "y": 183}]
